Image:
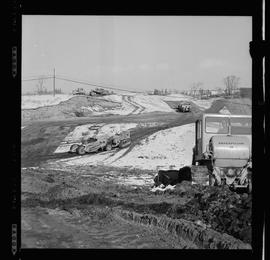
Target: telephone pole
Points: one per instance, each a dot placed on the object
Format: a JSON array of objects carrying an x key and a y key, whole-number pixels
[{"x": 54, "y": 82}]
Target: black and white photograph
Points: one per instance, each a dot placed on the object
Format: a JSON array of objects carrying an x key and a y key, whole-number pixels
[{"x": 136, "y": 132}]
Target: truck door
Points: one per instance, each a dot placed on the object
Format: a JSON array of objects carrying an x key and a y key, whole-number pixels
[{"x": 198, "y": 141}]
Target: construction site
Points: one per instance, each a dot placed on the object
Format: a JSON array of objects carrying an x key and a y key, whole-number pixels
[{"x": 90, "y": 164}]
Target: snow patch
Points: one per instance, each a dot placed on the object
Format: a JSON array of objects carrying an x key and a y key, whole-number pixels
[
  {"x": 35, "y": 101},
  {"x": 165, "y": 149}
]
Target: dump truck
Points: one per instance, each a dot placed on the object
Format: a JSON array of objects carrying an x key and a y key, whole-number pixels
[
  {"x": 222, "y": 151},
  {"x": 183, "y": 107},
  {"x": 101, "y": 143}
]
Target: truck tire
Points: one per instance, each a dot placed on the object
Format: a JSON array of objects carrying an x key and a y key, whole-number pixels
[
  {"x": 108, "y": 147},
  {"x": 80, "y": 150},
  {"x": 73, "y": 148},
  {"x": 193, "y": 158}
]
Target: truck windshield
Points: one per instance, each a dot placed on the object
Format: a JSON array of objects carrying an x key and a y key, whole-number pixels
[
  {"x": 217, "y": 125},
  {"x": 241, "y": 126}
]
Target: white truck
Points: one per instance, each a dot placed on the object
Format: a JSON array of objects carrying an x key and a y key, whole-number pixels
[{"x": 222, "y": 152}]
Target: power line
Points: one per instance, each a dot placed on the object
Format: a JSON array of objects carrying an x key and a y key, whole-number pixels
[
  {"x": 95, "y": 85},
  {"x": 37, "y": 78},
  {"x": 80, "y": 82}
]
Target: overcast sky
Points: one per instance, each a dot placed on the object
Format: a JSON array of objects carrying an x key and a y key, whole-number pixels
[{"x": 138, "y": 52}]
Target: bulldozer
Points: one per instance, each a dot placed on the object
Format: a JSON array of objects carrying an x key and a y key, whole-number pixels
[
  {"x": 222, "y": 151},
  {"x": 183, "y": 107},
  {"x": 99, "y": 143}
]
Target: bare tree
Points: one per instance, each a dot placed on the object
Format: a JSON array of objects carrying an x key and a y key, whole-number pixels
[
  {"x": 195, "y": 88},
  {"x": 40, "y": 86},
  {"x": 231, "y": 83}
]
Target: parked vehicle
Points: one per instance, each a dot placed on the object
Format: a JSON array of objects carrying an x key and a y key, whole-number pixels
[
  {"x": 184, "y": 107},
  {"x": 101, "y": 143},
  {"x": 222, "y": 152},
  {"x": 100, "y": 92},
  {"x": 79, "y": 91}
]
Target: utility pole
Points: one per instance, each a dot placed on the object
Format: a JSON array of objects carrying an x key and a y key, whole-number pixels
[{"x": 54, "y": 82}]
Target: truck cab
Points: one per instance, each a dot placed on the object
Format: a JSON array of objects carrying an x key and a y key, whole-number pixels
[{"x": 210, "y": 125}]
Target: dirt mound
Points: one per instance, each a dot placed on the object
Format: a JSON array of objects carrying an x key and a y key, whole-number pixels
[
  {"x": 196, "y": 236},
  {"x": 234, "y": 106},
  {"x": 74, "y": 107},
  {"x": 224, "y": 210}
]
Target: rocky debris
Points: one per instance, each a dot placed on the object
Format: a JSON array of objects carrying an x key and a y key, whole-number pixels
[
  {"x": 217, "y": 208},
  {"x": 224, "y": 210}
]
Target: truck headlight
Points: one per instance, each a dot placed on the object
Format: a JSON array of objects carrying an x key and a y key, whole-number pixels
[{"x": 231, "y": 172}]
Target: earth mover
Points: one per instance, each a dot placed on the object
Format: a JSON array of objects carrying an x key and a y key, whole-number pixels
[
  {"x": 78, "y": 91},
  {"x": 184, "y": 107},
  {"x": 101, "y": 143},
  {"x": 222, "y": 152}
]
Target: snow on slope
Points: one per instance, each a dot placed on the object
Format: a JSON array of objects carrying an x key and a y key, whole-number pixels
[
  {"x": 35, "y": 101},
  {"x": 152, "y": 103},
  {"x": 165, "y": 149},
  {"x": 168, "y": 149},
  {"x": 202, "y": 103}
]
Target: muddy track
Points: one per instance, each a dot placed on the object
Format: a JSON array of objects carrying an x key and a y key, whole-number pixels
[
  {"x": 136, "y": 205},
  {"x": 40, "y": 139},
  {"x": 138, "y": 108}
]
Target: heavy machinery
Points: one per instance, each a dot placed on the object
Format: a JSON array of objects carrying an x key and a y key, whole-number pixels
[
  {"x": 183, "y": 107},
  {"x": 100, "y": 92},
  {"x": 101, "y": 143},
  {"x": 222, "y": 152},
  {"x": 78, "y": 91}
]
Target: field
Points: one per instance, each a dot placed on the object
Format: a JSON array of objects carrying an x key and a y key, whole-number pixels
[{"x": 106, "y": 199}]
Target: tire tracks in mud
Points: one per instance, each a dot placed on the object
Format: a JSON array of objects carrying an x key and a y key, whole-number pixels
[
  {"x": 151, "y": 215},
  {"x": 138, "y": 108}
]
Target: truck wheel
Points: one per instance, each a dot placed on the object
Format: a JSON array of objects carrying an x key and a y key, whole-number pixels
[
  {"x": 73, "y": 148},
  {"x": 80, "y": 150},
  {"x": 108, "y": 147},
  {"x": 193, "y": 158}
]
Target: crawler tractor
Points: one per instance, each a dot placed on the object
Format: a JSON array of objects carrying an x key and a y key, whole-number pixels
[
  {"x": 222, "y": 152},
  {"x": 101, "y": 143},
  {"x": 184, "y": 107}
]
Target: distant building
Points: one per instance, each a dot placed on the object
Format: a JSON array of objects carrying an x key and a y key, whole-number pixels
[{"x": 246, "y": 93}]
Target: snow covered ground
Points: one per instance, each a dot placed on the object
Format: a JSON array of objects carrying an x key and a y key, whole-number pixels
[
  {"x": 143, "y": 103},
  {"x": 202, "y": 103},
  {"x": 35, "y": 101},
  {"x": 129, "y": 103},
  {"x": 165, "y": 149}
]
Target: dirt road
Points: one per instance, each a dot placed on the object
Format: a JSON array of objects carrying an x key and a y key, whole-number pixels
[{"x": 40, "y": 139}]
